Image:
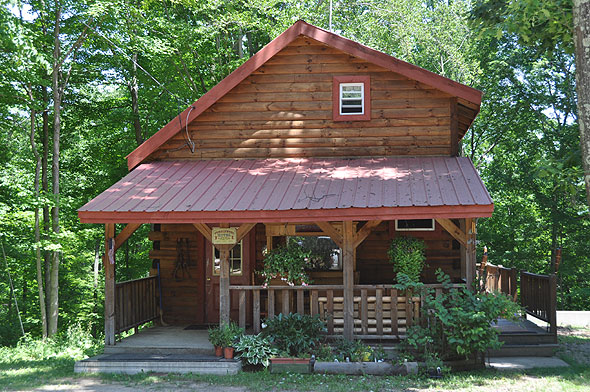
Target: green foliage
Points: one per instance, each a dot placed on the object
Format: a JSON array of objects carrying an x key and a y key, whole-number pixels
[
  {"x": 288, "y": 263},
  {"x": 459, "y": 322},
  {"x": 353, "y": 350},
  {"x": 227, "y": 334},
  {"x": 216, "y": 336},
  {"x": 294, "y": 334},
  {"x": 255, "y": 350},
  {"x": 407, "y": 254}
]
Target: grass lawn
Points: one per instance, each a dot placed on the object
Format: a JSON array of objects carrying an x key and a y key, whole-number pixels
[{"x": 19, "y": 373}]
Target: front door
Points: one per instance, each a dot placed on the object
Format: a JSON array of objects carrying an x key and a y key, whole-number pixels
[{"x": 242, "y": 259}]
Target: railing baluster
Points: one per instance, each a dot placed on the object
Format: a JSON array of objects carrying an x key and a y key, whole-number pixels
[
  {"x": 408, "y": 310},
  {"x": 256, "y": 310},
  {"x": 364, "y": 310},
  {"x": 286, "y": 301},
  {"x": 271, "y": 303},
  {"x": 393, "y": 314},
  {"x": 300, "y": 302},
  {"x": 242, "y": 309},
  {"x": 379, "y": 311},
  {"x": 330, "y": 300},
  {"x": 314, "y": 302}
]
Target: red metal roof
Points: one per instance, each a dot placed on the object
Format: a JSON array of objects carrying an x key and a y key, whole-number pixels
[
  {"x": 299, "y": 28},
  {"x": 294, "y": 190}
]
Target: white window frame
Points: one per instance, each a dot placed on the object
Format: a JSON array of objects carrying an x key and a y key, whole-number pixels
[
  {"x": 232, "y": 258},
  {"x": 341, "y": 99},
  {"x": 397, "y": 228}
]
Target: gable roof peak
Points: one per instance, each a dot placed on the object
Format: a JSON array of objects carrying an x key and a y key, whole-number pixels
[{"x": 299, "y": 28}]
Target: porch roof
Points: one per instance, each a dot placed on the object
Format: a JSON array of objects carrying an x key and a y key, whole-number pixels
[{"x": 293, "y": 190}]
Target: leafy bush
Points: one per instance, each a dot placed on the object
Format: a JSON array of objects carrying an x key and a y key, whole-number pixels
[
  {"x": 287, "y": 262},
  {"x": 216, "y": 336},
  {"x": 459, "y": 322},
  {"x": 407, "y": 254},
  {"x": 294, "y": 334},
  {"x": 76, "y": 342},
  {"x": 255, "y": 350},
  {"x": 354, "y": 350}
]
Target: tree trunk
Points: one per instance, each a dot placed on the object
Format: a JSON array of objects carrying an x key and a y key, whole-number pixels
[
  {"x": 55, "y": 84},
  {"x": 39, "y": 267},
  {"x": 45, "y": 185},
  {"x": 133, "y": 89},
  {"x": 581, "y": 13}
]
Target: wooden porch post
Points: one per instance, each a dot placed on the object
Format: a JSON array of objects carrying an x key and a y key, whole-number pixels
[
  {"x": 470, "y": 257},
  {"x": 224, "y": 302},
  {"x": 109, "y": 286},
  {"x": 348, "y": 251}
]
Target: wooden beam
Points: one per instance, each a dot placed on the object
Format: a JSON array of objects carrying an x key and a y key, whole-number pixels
[
  {"x": 364, "y": 232},
  {"x": 348, "y": 251},
  {"x": 470, "y": 260},
  {"x": 125, "y": 234},
  {"x": 244, "y": 229},
  {"x": 331, "y": 232},
  {"x": 204, "y": 229},
  {"x": 454, "y": 127},
  {"x": 109, "y": 287},
  {"x": 453, "y": 230}
]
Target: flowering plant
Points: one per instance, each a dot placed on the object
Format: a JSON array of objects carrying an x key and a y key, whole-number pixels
[{"x": 287, "y": 262}]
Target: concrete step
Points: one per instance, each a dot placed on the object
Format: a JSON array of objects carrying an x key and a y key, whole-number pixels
[
  {"x": 527, "y": 338},
  {"x": 177, "y": 363},
  {"x": 158, "y": 350},
  {"x": 525, "y": 350}
]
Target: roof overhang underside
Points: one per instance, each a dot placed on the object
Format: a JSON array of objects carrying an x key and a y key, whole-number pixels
[{"x": 293, "y": 190}]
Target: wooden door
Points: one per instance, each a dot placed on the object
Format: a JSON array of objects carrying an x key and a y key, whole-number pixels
[{"x": 242, "y": 260}]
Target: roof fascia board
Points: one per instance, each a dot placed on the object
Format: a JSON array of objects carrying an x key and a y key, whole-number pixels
[{"x": 280, "y": 216}]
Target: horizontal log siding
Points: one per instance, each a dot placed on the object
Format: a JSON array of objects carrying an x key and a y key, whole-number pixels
[
  {"x": 441, "y": 252},
  {"x": 284, "y": 109},
  {"x": 179, "y": 298}
]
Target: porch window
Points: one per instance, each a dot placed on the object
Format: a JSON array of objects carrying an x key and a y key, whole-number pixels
[
  {"x": 414, "y": 225},
  {"x": 235, "y": 260},
  {"x": 351, "y": 98},
  {"x": 325, "y": 254}
]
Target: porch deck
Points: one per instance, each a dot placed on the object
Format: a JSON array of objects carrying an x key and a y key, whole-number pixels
[{"x": 165, "y": 340}]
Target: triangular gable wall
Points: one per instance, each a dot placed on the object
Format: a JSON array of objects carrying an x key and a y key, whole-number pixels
[{"x": 215, "y": 107}]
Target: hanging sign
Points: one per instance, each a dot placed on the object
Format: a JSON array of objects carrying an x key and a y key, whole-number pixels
[{"x": 224, "y": 236}]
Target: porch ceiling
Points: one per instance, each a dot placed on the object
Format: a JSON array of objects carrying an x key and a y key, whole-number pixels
[{"x": 293, "y": 190}]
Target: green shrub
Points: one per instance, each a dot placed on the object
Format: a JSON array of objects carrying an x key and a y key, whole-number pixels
[
  {"x": 255, "y": 350},
  {"x": 287, "y": 262},
  {"x": 354, "y": 350},
  {"x": 294, "y": 334},
  {"x": 407, "y": 254},
  {"x": 216, "y": 336},
  {"x": 225, "y": 335},
  {"x": 459, "y": 322}
]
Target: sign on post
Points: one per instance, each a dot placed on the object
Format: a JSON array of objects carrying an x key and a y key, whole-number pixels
[{"x": 224, "y": 236}]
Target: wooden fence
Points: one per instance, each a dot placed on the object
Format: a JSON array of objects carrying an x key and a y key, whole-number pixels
[
  {"x": 380, "y": 311},
  {"x": 538, "y": 295},
  {"x": 498, "y": 278},
  {"x": 135, "y": 303}
]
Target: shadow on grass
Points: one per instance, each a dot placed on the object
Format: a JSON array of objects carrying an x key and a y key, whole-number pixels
[{"x": 21, "y": 374}]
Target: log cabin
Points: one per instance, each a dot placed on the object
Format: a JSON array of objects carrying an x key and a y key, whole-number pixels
[{"x": 314, "y": 136}]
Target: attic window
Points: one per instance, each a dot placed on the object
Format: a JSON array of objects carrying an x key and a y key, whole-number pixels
[{"x": 351, "y": 98}]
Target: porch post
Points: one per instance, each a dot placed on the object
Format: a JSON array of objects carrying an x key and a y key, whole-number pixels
[
  {"x": 224, "y": 285},
  {"x": 348, "y": 251},
  {"x": 109, "y": 286},
  {"x": 470, "y": 256}
]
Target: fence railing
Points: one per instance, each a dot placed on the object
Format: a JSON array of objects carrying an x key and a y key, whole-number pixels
[
  {"x": 135, "y": 303},
  {"x": 538, "y": 295},
  {"x": 380, "y": 311},
  {"x": 499, "y": 278}
]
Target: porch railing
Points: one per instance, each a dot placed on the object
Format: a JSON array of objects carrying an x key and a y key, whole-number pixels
[
  {"x": 499, "y": 278},
  {"x": 380, "y": 311},
  {"x": 135, "y": 303},
  {"x": 538, "y": 295}
]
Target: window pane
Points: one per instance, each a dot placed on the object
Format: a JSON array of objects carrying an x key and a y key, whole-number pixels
[{"x": 351, "y": 88}]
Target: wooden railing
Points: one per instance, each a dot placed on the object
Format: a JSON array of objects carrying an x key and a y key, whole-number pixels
[
  {"x": 380, "y": 311},
  {"x": 135, "y": 303},
  {"x": 538, "y": 295},
  {"x": 498, "y": 278}
]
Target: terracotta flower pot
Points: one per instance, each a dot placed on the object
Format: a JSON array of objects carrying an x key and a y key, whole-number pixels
[
  {"x": 228, "y": 352},
  {"x": 218, "y": 351}
]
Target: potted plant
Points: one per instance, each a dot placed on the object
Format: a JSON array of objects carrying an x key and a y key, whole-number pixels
[
  {"x": 230, "y": 333},
  {"x": 215, "y": 337},
  {"x": 287, "y": 263}
]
